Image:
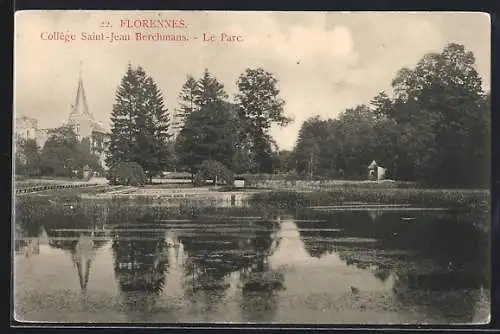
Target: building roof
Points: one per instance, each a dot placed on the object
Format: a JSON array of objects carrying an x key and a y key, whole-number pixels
[
  {"x": 373, "y": 164},
  {"x": 80, "y": 107},
  {"x": 97, "y": 127}
]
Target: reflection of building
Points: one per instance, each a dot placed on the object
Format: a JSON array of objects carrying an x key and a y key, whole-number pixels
[
  {"x": 27, "y": 247},
  {"x": 82, "y": 258},
  {"x": 82, "y": 246}
]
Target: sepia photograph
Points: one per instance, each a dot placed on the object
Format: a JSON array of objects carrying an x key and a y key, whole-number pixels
[{"x": 224, "y": 167}]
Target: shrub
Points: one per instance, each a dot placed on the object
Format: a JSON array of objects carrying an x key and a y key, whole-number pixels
[
  {"x": 211, "y": 169},
  {"x": 127, "y": 173},
  {"x": 79, "y": 174}
]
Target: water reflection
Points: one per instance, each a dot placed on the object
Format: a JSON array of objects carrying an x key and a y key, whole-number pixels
[
  {"x": 139, "y": 266},
  {"x": 26, "y": 232},
  {"x": 219, "y": 264},
  {"x": 449, "y": 244},
  {"x": 438, "y": 295},
  {"x": 209, "y": 262},
  {"x": 261, "y": 281},
  {"x": 433, "y": 262},
  {"x": 215, "y": 256}
]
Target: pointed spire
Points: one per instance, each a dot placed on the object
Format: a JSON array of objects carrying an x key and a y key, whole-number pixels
[
  {"x": 82, "y": 258},
  {"x": 80, "y": 71},
  {"x": 80, "y": 107},
  {"x": 83, "y": 273}
]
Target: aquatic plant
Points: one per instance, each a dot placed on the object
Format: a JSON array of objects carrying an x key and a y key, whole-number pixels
[{"x": 474, "y": 204}]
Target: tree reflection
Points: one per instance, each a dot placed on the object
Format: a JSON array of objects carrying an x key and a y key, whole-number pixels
[
  {"x": 440, "y": 262},
  {"x": 71, "y": 230},
  {"x": 259, "y": 280},
  {"x": 397, "y": 238},
  {"x": 443, "y": 295},
  {"x": 317, "y": 235},
  {"x": 28, "y": 219},
  {"x": 26, "y": 238},
  {"x": 64, "y": 230},
  {"x": 140, "y": 263},
  {"x": 211, "y": 258}
]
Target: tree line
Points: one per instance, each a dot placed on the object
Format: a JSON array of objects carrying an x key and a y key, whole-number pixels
[
  {"x": 62, "y": 154},
  {"x": 434, "y": 129},
  {"x": 211, "y": 130}
]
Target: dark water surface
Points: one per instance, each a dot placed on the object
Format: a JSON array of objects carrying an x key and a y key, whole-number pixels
[{"x": 250, "y": 265}]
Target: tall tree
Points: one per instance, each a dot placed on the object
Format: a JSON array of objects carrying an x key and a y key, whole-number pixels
[
  {"x": 210, "y": 126},
  {"x": 358, "y": 140},
  {"x": 259, "y": 106},
  {"x": 140, "y": 124},
  {"x": 442, "y": 101},
  {"x": 187, "y": 102},
  {"x": 122, "y": 120},
  {"x": 196, "y": 93},
  {"x": 209, "y": 90},
  {"x": 435, "y": 129},
  {"x": 308, "y": 153},
  {"x": 382, "y": 106},
  {"x": 210, "y": 133}
]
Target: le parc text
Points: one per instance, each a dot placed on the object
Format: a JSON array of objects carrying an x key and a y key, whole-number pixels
[{"x": 222, "y": 37}]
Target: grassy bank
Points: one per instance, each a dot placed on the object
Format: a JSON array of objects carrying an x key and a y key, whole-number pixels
[
  {"x": 427, "y": 197},
  {"x": 473, "y": 204},
  {"x": 69, "y": 211}
]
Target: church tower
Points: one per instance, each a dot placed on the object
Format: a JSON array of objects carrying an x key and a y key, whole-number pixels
[
  {"x": 80, "y": 117},
  {"x": 84, "y": 124}
]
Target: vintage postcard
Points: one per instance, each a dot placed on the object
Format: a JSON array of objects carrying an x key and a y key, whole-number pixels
[{"x": 251, "y": 167}]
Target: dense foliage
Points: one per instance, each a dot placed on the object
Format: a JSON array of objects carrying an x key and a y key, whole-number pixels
[
  {"x": 260, "y": 106},
  {"x": 127, "y": 173},
  {"x": 27, "y": 158},
  {"x": 432, "y": 128},
  {"x": 63, "y": 154},
  {"x": 213, "y": 170},
  {"x": 435, "y": 129},
  {"x": 140, "y": 124},
  {"x": 235, "y": 134}
]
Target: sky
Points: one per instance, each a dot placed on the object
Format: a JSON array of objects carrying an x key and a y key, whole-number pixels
[{"x": 325, "y": 62}]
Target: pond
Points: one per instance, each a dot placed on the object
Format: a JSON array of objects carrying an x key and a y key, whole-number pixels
[{"x": 142, "y": 263}]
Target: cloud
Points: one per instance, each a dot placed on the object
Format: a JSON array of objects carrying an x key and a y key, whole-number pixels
[{"x": 325, "y": 62}]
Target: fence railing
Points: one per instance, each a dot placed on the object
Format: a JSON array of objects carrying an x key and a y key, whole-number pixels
[{"x": 31, "y": 189}]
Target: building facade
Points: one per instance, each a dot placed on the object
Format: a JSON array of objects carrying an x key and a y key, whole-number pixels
[{"x": 27, "y": 128}]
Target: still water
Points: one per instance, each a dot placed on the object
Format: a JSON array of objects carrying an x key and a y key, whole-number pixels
[{"x": 250, "y": 265}]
